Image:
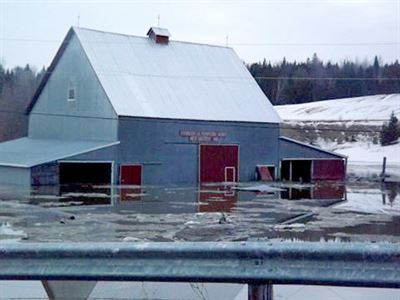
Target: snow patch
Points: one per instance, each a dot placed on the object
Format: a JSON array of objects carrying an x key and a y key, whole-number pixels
[{"x": 368, "y": 108}]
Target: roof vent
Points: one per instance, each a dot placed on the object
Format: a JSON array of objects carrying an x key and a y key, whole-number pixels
[{"x": 159, "y": 35}]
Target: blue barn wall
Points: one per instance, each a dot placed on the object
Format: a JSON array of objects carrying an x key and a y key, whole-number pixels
[
  {"x": 294, "y": 150},
  {"x": 90, "y": 117},
  {"x": 168, "y": 157},
  {"x": 15, "y": 175}
]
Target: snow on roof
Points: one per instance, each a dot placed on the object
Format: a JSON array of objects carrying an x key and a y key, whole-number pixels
[
  {"x": 27, "y": 152},
  {"x": 368, "y": 108},
  {"x": 179, "y": 81},
  {"x": 159, "y": 31}
]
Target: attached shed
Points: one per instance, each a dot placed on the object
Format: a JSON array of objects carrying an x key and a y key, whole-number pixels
[
  {"x": 30, "y": 161},
  {"x": 306, "y": 163}
]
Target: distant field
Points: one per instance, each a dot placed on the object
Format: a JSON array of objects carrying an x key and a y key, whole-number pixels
[
  {"x": 348, "y": 126},
  {"x": 371, "y": 109}
]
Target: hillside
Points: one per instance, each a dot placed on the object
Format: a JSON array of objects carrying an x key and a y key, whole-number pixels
[
  {"x": 348, "y": 126},
  {"x": 370, "y": 109}
]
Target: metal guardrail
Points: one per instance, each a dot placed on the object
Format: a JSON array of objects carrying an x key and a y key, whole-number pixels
[{"x": 255, "y": 263}]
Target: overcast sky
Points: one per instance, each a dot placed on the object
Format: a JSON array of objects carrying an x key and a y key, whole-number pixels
[{"x": 31, "y": 31}]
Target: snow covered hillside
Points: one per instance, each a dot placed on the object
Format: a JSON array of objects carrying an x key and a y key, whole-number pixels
[
  {"x": 350, "y": 127},
  {"x": 369, "y": 108}
]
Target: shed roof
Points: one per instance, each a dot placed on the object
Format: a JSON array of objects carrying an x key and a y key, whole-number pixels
[
  {"x": 28, "y": 152},
  {"x": 286, "y": 139},
  {"x": 179, "y": 81}
]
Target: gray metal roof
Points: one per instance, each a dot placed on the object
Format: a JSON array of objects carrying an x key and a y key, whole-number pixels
[
  {"x": 28, "y": 152},
  {"x": 179, "y": 81}
]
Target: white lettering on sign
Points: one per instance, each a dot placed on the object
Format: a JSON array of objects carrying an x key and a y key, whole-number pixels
[{"x": 203, "y": 136}]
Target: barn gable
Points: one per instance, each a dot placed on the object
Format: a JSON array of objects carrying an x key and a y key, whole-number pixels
[{"x": 70, "y": 103}]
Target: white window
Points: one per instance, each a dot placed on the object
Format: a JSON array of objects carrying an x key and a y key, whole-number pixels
[{"x": 71, "y": 90}]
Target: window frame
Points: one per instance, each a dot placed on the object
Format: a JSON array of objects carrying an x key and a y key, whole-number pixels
[{"x": 71, "y": 88}]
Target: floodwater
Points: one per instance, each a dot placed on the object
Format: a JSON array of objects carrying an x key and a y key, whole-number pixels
[
  {"x": 327, "y": 212},
  {"x": 249, "y": 211}
]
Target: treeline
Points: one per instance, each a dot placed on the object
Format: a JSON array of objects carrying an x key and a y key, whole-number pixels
[
  {"x": 313, "y": 80},
  {"x": 283, "y": 83},
  {"x": 17, "y": 86}
]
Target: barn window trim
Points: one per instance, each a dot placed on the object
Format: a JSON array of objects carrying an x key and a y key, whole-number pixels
[{"x": 71, "y": 91}]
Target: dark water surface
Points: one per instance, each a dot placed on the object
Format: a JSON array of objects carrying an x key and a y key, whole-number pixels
[{"x": 321, "y": 212}]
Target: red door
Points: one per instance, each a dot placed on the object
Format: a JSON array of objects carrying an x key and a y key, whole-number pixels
[
  {"x": 329, "y": 169},
  {"x": 131, "y": 174},
  {"x": 219, "y": 163}
]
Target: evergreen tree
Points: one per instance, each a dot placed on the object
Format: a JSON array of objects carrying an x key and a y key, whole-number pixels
[
  {"x": 298, "y": 82},
  {"x": 390, "y": 131}
]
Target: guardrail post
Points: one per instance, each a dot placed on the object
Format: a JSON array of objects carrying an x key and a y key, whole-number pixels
[
  {"x": 260, "y": 292},
  {"x": 68, "y": 289}
]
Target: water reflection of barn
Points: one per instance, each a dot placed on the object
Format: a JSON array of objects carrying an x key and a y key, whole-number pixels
[{"x": 114, "y": 108}]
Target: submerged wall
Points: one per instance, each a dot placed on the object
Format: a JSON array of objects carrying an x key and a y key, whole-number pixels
[
  {"x": 46, "y": 174},
  {"x": 15, "y": 175},
  {"x": 169, "y": 149}
]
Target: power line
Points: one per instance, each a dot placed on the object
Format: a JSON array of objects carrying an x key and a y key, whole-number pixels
[
  {"x": 291, "y": 2},
  {"x": 244, "y": 44},
  {"x": 318, "y": 44},
  {"x": 3, "y": 111},
  {"x": 241, "y": 77},
  {"x": 329, "y": 78},
  {"x": 283, "y": 126}
]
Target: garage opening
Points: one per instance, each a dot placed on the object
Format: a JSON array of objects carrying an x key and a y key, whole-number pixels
[
  {"x": 87, "y": 172},
  {"x": 296, "y": 170},
  {"x": 219, "y": 163}
]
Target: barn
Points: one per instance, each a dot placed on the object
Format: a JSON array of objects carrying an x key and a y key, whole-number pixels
[{"x": 121, "y": 109}]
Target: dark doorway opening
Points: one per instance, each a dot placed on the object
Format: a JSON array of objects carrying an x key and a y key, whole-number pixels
[
  {"x": 296, "y": 170},
  {"x": 87, "y": 173},
  {"x": 301, "y": 170},
  {"x": 285, "y": 170}
]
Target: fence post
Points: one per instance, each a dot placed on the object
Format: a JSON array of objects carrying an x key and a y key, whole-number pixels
[
  {"x": 383, "y": 169},
  {"x": 260, "y": 292}
]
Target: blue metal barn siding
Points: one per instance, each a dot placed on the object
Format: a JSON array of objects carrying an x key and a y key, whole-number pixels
[
  {"x": 293, "y": 150},
  {"x": 90, "y": 117},
  {"x": 168, "y": 157}
]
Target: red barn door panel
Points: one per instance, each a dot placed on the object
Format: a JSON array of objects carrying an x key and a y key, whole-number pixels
[
  {"x": 328, "y": 169},
  {"x": 219, "y": 163},
  {"x": 131, "y": 174}
]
